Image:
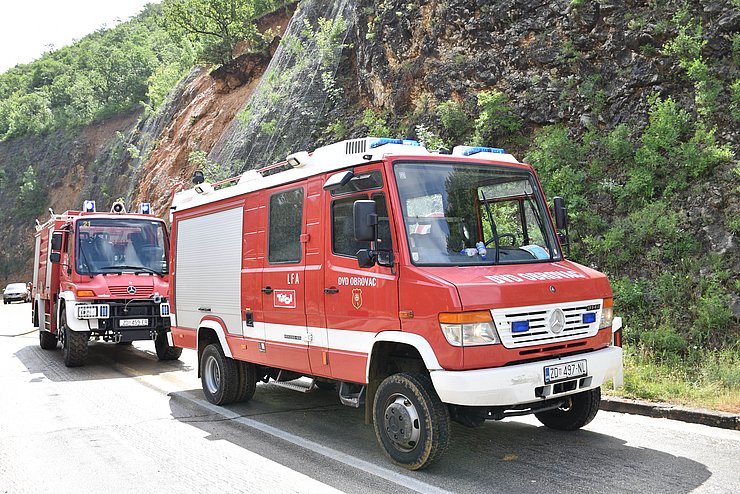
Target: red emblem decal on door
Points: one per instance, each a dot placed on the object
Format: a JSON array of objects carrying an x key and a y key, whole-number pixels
[
  {"x": 356, "y": 298},
  {"x": 284, "y": 299}
]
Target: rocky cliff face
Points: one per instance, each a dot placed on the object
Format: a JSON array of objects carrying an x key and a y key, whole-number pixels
[{"x": 585, "y": 65}]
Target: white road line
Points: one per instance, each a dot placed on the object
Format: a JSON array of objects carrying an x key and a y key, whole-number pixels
[{"x": 378, "y": 471}]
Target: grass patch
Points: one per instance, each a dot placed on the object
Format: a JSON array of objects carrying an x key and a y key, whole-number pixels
[{"x": 701, "y": 379}]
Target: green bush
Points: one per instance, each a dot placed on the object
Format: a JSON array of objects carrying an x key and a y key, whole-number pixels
[
  {"x": 454, "y": 120},
  {"x": 376, "y": 124},
  {"x": 495, "y": 117},
  {"x": 674, "y": 149},
  {"x": 663, "y": 342}
]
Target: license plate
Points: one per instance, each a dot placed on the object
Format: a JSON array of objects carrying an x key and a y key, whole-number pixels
[
  {"x": 569, "y": 370},
  {"x": 129, "y": 323}
]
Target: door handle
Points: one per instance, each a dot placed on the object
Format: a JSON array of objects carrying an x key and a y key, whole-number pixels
[
  {"x": 267, "y": 290},
  {"x": 331, "y": 290}
]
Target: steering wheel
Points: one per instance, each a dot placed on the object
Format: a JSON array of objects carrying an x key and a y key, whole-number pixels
[{"x": 510, "y": 235}]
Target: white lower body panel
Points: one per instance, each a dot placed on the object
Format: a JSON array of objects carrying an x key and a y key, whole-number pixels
[{"x": 518, "y": 384}]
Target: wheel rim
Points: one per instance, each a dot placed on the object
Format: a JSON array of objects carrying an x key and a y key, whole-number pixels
[
  {"x": 212, "y": 374},
  {"x": 401, "y": 423}
]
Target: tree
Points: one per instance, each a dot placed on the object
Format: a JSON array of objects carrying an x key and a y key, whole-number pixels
[{"x": 218, "y": 24}]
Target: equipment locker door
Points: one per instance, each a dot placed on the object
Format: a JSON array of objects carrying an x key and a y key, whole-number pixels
[
  {"x": 359, "y": 302},
  {"x": 283, "y": 284}
]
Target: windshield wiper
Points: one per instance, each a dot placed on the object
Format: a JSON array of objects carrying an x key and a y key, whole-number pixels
[
  {"x": 87, "y": 263},
  {"x": 123, "y": 267},
  {"x": 494, "y": 231},
  {"x": 540, "y": 223}
]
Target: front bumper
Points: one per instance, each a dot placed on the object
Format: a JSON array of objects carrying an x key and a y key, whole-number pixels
[
  {"x": 523, "y": 383},
  {"x": 119, "y": 310}
]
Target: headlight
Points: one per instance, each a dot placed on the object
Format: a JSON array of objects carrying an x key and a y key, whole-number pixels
[
  {"x": 93, "y": 311},
  {"x": 607, "y": 313},
  {"x": 468, "y": 328}
]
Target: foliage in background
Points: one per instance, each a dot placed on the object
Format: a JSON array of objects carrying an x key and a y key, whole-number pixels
[
  {"x": 105, "y": 73},
  {"x": 31, "y": 196},
  {"x": 217, "y": 26}
]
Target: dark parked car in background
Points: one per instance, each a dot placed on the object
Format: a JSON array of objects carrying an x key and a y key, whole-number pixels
[{"x": 15, "y": 292}]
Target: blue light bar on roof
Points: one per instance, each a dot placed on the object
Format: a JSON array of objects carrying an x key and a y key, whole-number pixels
[
  {"x": 479, "y": 149},
  {"x": 387, "y": 140}
]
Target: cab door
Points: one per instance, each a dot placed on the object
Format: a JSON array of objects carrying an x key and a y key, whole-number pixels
[
  {"x": 283, "y": 283},
  {"x": 359, "y": 302}
]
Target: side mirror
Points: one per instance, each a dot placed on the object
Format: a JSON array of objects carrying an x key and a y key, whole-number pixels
[
  {"x": 561, "y": 213},
  {"x": 55, "y": 257},
  {"x": 57, "y": 239},
  {"x": 365, "y": 258},
  {"x": 561, "y": 223},
  {"x": 365, "y": 216}
]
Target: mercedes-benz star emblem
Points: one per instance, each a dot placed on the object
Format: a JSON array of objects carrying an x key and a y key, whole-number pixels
[
  {"x": 557, "y": 321},
  {"x": 131, "y": 290}
]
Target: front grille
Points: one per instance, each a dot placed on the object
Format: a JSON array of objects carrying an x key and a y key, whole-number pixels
[
  {"x": 539, "y": 317},
  {"x": 122, "y": 291}
]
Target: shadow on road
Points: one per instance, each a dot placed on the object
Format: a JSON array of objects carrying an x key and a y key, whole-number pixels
[
  {"x": 104, "y": 361},
  {"x": 507, "y": 456}
]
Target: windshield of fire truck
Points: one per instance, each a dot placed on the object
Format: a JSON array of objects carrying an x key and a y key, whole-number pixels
[
  {"x": 116, "y": 245},
  {"x": 462, "y": 214}
]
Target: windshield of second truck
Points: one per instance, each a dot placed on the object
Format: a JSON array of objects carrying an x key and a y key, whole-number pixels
[
  {"x": 120, "y": 245},
  {"x": 460, "y": 214}
]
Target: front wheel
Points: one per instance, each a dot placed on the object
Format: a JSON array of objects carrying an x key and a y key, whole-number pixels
[
  {"x": 219, "y": 376},
  {"x": 164, "y": 350},
  {"x": 576, "y": 412},
  {"x": 74, "y": 344},
  {"x": 411, "y": 422}
]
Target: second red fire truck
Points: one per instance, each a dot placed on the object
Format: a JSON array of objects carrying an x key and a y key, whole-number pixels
[
  {"x": 102, "y": 276},
  {"x": 427, "y": 287}
]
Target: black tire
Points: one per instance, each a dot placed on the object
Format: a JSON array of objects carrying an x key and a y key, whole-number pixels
[
  {"x": 247, "y": 381},
  {"x": 410, "y": 398},
  {"x": 579, "y": 410},
  {"x": 164, "y": 350},
  {"x": 47, "y": 340},
  {"x": 219, "y": 376},
  {"x": 74, "y": 344}
]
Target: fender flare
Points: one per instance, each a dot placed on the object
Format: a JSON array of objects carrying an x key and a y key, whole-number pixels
[
  {"x": 414, "y": 340},
  {"x": 217, "y": 325},
  {"x": 70, "y": 301}
]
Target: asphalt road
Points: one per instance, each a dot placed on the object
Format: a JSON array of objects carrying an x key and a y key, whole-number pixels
[{"x": 128, "y": 423}]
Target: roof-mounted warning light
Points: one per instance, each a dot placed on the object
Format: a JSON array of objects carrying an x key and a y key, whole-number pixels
[
  {"x": 387, "y": 140},
  {"x": 296, "y": 160},
  {"x": 145, "y": 208},
  {"x": 469, "y": 151},
  {"x": 118, "y": 207},
  {"x": 88, "y": 206}
]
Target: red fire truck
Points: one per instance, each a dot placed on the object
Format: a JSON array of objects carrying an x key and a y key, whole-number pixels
[
  {"x": 102, "y": 276},
  {"x": 429, "y": 287}
]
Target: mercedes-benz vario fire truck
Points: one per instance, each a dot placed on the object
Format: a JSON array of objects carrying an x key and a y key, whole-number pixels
[
  {"x": 102, "y": 276},
  {"x": 427, "y": 287}
]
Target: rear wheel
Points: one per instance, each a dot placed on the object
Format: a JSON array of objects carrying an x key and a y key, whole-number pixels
[
  {"x": 411, "y": 422},
  {"x": 576, "y": 412},
  {"x": 219, "y": 376},
  {"x": 164, "y": 350},
  {"x": 74, "y": 344},
  {"x": 47, "y": 340}
]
